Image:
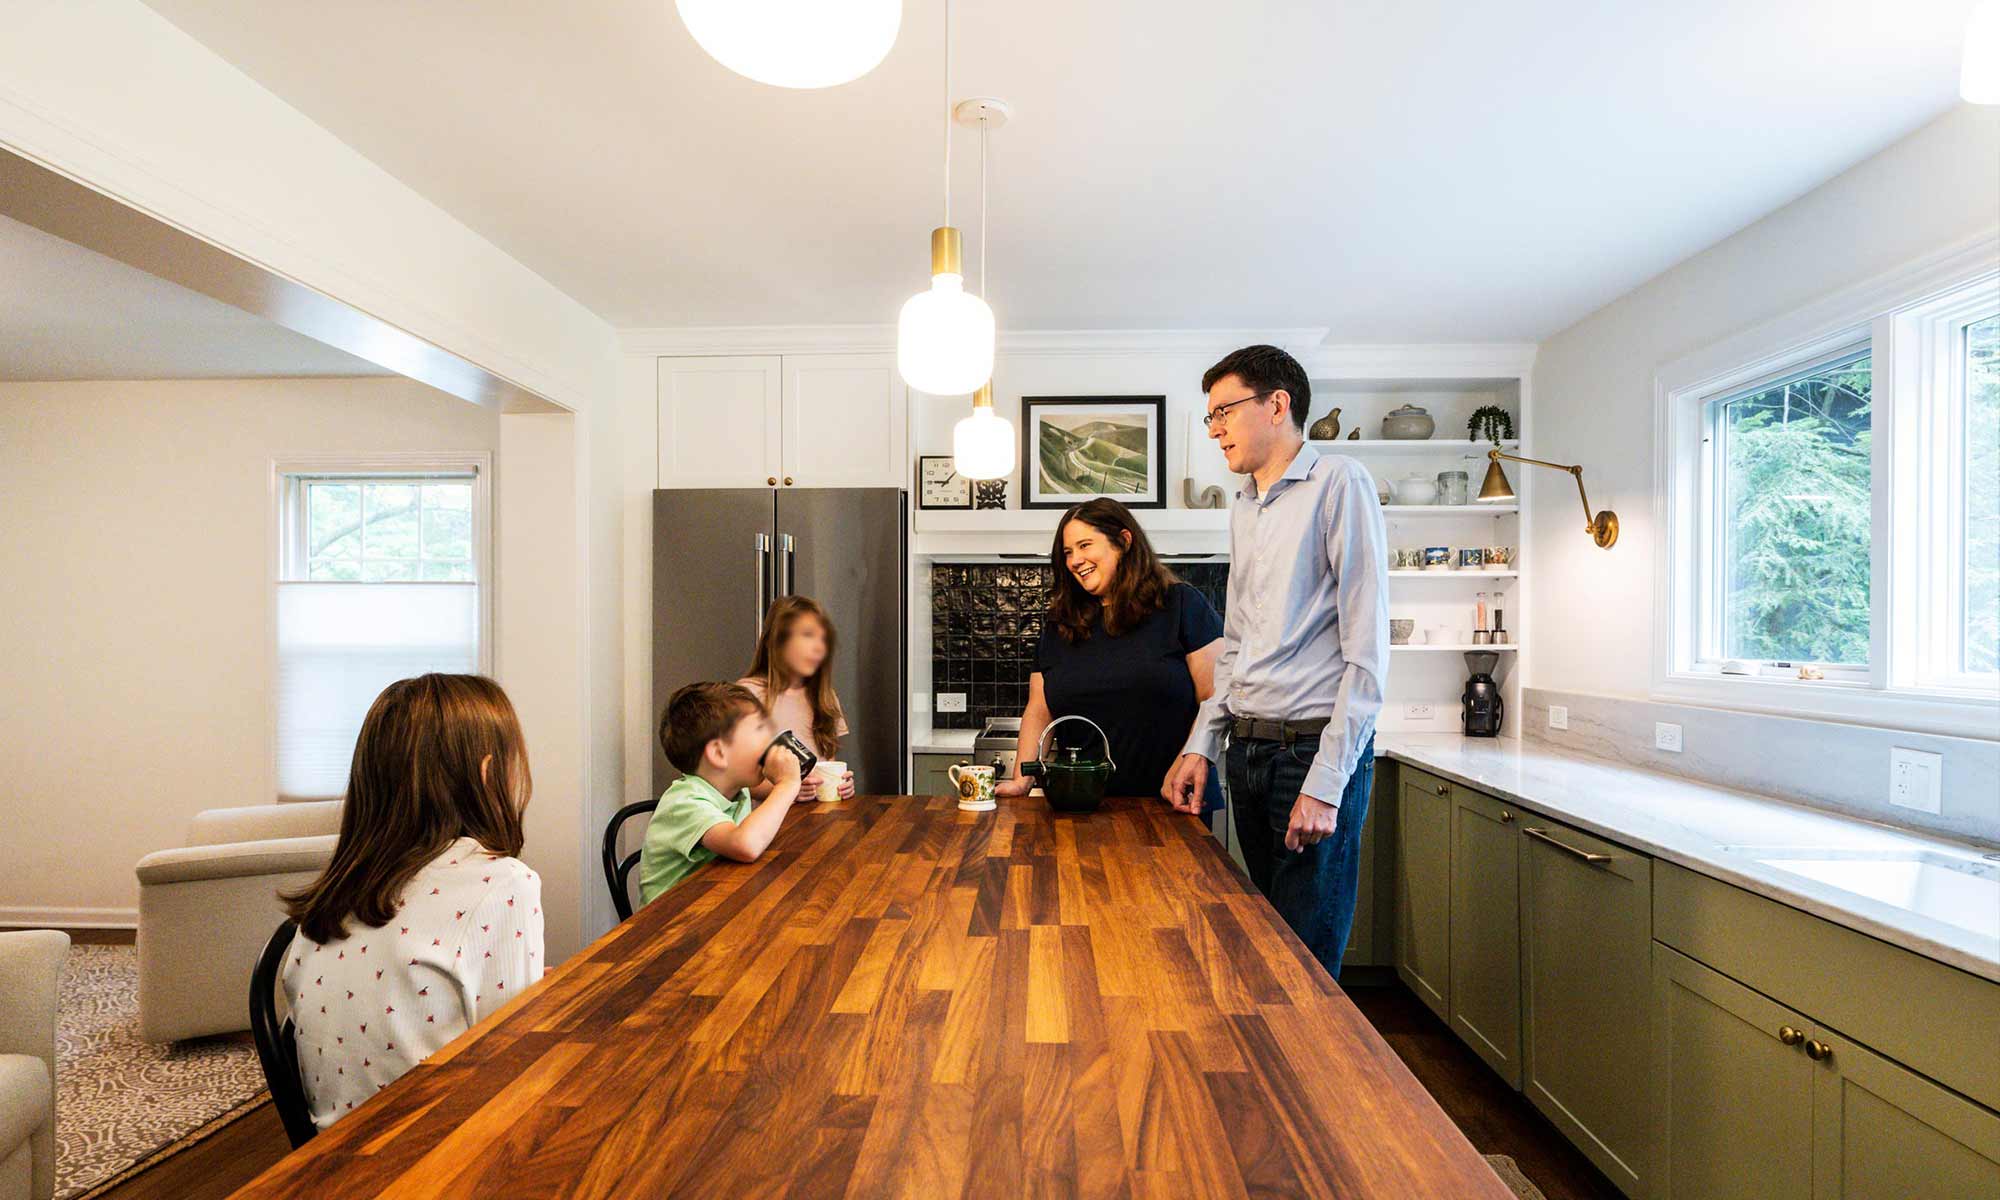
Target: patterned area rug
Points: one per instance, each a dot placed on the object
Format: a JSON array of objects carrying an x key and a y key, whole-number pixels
[
  {"x": 1510, "y": 1174},
  {"x": 121, "y": 1102}
]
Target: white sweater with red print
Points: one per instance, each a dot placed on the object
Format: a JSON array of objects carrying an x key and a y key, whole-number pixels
[{"x": 467, "y": 937}]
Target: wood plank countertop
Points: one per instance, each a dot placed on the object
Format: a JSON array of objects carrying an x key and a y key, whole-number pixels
[{"x": 901, "y": 998}]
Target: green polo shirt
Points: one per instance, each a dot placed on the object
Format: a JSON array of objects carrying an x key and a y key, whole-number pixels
[{"x": 689, "y": 808}]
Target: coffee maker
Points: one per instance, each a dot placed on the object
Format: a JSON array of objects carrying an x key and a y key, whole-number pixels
[{"x": 1481, "y": 709}]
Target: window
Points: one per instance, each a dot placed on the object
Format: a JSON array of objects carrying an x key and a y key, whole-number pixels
[
  {"x": 1828, "y": 496},
  {"x": 1788, "y": 564},
  {"x": 381, "y": 567}
]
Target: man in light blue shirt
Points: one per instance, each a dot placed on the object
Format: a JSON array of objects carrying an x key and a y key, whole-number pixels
[{"x": 1305, "y": 652}]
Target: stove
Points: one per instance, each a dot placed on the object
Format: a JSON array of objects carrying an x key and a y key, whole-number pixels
[{"x": 995, "y": 745}]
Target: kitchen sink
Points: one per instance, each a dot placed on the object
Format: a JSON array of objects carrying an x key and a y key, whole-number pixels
[{"x": 1958, "y": 889}]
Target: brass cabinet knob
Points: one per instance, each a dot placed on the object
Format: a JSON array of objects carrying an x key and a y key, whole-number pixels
[
  {"x": 1818, "y": 1051},
  {"x": 1506, "y": 817},
  {"x": 1444, "y": 789},
  {"x": 1790, "y": 1036},
  {"x": 788, "y": 481},
  {"x": 771, "y": 482}
]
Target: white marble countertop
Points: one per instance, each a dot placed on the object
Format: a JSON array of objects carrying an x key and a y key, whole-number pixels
[
  {"x": 943, "y": 741},
  {"x": 1695, "y": 825}
]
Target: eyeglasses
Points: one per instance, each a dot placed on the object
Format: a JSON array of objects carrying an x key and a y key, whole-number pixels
[{"x": 1215, "y": 414}]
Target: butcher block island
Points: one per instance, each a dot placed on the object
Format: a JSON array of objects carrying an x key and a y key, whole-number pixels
[{"x": 901, "y": 998}]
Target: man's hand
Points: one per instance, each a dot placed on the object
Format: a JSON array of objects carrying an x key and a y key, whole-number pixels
[
  {"x": 1187, "y": 783},
  {"x": 1312, "y": 822}
]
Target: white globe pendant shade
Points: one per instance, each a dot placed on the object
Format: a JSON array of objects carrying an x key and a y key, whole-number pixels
[
  {"x": 795, "y": 43},
  {"x": 1979, "y": 78},
  {"x": 982, "y": 445},
  {"x": 944, "y": 339}
]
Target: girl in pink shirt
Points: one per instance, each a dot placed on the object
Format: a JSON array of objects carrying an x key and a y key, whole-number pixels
[
  {"x": 425, "y": 922},
  {"x": 793, "y": 676}
]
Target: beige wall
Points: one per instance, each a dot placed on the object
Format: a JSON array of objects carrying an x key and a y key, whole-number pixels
[
  {"x": 1591, "y": 621},
  {"x": 136, "y": 646}
]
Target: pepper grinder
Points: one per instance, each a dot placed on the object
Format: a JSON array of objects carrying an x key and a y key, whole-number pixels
[{"x": 1499, "y": 637}]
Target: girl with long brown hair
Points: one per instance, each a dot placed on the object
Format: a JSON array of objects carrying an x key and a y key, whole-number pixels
[
  {"x": 792, "y": 674},
  {"x": 1124, "y": 643},
  {"x": 425, "y": 921}
]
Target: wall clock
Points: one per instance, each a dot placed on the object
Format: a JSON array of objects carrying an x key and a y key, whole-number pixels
[{"x": 939, "y": 485}]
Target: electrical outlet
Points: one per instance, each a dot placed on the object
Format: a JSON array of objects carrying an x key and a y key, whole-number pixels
[
  {"x": 920, "y": 702},
  {"x": 951, "y": 702},
  {"x": 1914, "y": 779},
  {"x": 1667, "y": 736},
  {"x": 1418, "y": 712},
  {"x": 1558, "y": 716}
]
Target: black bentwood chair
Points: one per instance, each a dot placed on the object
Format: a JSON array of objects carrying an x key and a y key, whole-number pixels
[
  {"x": 618, "y": 875},
  {"x": 277, "y": 1044}
]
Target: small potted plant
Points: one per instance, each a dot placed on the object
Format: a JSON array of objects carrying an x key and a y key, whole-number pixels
[{"x": 1490, "y": 423}]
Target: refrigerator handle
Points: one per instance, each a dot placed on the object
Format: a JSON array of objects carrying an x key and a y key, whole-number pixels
[
  {"x": 787, "y": 565},
  {"x": 763, "y": 586}
]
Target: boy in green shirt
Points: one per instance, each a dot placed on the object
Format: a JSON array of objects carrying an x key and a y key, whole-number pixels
[{"x": 716, "y": 735}]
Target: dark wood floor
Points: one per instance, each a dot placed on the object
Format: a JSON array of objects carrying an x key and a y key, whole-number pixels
[{"x": 1494, "y": 1117}]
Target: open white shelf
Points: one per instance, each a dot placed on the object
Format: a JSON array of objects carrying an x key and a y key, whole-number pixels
[
  {"x": 1467, "y": 573},
  {"x": 1444, "y": 510},
  {"x": 1413, "y": 445},
  {"x": 1502, "y": 648},
  {"x": 1043, "y": 520}
]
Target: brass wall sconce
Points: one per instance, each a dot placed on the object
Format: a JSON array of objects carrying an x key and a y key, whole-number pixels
[{"x": 1602, "y": 528}]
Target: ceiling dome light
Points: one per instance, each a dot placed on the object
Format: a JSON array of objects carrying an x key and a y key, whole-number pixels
[
  {"x": 982, "y": 445},
  {"x": 795, "y": 43},
  {"x": 1979, "y": 79},
  {"x": 944, "y": 338}
]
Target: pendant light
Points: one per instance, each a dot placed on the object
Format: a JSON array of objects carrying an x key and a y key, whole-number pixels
[
  {"x": 944, "y": 337},
  {"x": 1979, "y": 74},
  {"x": 795, "y": 43},
  {"x": 982, "y": 445}
]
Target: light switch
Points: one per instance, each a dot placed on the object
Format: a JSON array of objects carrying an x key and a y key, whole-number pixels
[
  {"x": 1558, "y": 716},
  {"x": 1915, "y": 777},
  {"x": 1667, "y": 736},
  {"x": 951, "y": 702}
]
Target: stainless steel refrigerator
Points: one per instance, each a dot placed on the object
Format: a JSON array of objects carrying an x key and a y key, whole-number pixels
[{"x": 721, "y": 556}]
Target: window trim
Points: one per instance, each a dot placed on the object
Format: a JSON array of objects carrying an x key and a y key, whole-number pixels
[{"x": 1865, "y": 313}]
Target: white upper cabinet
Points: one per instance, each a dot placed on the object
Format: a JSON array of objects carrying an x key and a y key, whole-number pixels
[
  {"x": 815, "y": 420},
  {"x": 720, "y": 421},
  {"x": 846, "y": 421}
]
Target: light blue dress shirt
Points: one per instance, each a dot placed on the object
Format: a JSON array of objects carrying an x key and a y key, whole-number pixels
[{"x": 1306, "y": 634}]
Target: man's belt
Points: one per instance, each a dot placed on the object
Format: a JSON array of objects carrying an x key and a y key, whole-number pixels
[{"x": 1257, "y": 729}]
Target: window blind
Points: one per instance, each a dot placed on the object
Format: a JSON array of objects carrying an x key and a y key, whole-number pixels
[{"x": 339, "y": 645}]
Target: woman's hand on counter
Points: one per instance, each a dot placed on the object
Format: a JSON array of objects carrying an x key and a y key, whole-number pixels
[{"x": 1019, "y": 785}]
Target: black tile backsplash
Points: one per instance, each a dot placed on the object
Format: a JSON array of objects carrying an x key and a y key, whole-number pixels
[{"x": 985, "y": 621}]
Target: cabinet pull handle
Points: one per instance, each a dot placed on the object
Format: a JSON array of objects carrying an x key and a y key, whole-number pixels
[
  {"x": 1541, "y": 835},
  {"x": 1789, "y": 1036},
  {"x": 1444, "y": 789},
  {"x": 771, "y": 481},
  {"x": 1506, "y": 817},
  {"x": 1818, "y": 1051}
]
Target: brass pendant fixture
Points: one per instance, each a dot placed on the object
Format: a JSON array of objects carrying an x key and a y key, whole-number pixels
[{"x": 1602, "y": 527}]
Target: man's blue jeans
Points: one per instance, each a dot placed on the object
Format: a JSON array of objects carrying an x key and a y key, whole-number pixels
[{"x": 1313, "y": 888}]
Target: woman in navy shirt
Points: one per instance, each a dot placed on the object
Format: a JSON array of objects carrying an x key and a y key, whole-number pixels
[{"x": 1125, "y": 644}]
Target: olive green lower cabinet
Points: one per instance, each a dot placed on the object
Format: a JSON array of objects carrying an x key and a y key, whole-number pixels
[
  {"x": 1486, "y": 930},
  {"x": 1423, "y": 888},
  {"x": 928, "y": 777},
  {"x": 1586, "y": 940}
]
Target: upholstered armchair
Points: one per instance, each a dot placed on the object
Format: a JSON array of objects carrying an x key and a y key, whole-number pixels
[
  {"x": 207, "y": 908},
  {"x": 30, "y": 969}
]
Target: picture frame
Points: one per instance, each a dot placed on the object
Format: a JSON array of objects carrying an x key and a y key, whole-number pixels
[
  {"x": 939, "y": 485},
  {"x": 1113, "y": 446}
]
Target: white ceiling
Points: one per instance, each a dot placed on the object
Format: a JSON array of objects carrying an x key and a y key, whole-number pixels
[
  {"x": 1392, "y": 169},
  {"x": 71, "y": 313}
]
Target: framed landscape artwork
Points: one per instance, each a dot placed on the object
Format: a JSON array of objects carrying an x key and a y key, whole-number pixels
[{"x": 1076, "y": 448}]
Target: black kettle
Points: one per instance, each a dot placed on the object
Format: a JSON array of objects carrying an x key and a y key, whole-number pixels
[{"x": 1072, "y": 783}]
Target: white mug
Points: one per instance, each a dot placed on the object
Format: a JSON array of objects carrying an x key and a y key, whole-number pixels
[{"x": 829, "y": 774}]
